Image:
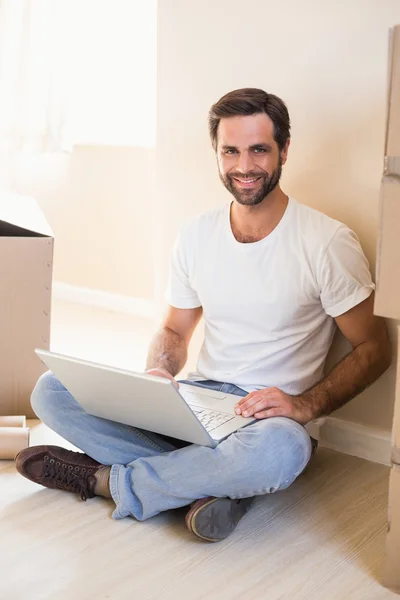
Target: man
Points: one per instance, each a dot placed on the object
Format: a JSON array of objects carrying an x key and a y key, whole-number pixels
[{"x": 272, "y": 279}]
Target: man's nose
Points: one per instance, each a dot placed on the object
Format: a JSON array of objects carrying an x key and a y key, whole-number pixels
[{"x": 244, "y": 162}]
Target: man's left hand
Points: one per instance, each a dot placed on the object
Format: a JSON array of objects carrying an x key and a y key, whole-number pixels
[{"x": 272, "y": 402}]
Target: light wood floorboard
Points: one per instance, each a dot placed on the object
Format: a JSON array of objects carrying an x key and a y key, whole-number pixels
[{"x": 323, "y": 538}]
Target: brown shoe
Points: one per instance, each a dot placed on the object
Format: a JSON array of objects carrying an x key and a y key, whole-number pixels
[
  {"x": 213, "y": 519},
  {"x": 314, "y": 446},
  {"x": 59, "y": 469}
]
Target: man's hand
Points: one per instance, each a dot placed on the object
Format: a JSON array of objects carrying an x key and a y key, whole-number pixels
[
  {"x": 163, "y": 373},
  {"x": 272, "y": 402}
]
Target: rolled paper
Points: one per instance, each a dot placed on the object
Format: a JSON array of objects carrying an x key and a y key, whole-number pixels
[
  {"x": 12, "y": 441},
  {"x": 13, "y": 421}
]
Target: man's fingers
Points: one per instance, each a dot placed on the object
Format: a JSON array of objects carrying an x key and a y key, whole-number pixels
[
  {"x": 247, "y": 401},
  {"x": 270, "y": 412},
  {"x": 257, "y": 399},
  {"x": 255, "y": 396},
  {"x": 258, "y": 405}
]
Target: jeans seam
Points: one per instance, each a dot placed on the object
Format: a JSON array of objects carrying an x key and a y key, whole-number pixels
[{"x": 114, "y": 488}]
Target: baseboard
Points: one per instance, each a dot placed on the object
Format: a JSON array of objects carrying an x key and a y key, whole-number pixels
[
  {"x": 357, "y": 440},
  {"x": 129, "y": 305}
]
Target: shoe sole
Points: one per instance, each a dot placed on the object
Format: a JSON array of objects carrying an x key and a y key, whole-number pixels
[{"x": 214, "y": 519}]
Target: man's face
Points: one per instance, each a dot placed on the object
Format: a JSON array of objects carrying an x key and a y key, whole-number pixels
[{"x": 249, "y": 160}]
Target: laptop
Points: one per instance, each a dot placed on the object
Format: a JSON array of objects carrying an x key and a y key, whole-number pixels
[{"x": 190, "y": 413}]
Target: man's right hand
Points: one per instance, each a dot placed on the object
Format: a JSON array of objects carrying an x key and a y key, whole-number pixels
[{"x": 163, "y": 373}]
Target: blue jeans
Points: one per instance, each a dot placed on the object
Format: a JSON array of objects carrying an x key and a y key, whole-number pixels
[{"x": 151, "y": 473}]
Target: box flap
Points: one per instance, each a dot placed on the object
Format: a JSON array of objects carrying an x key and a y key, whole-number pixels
[
  {"x": 24, "y": 213},
  {"x": 396, "y": 414},
  {"x": 392, "y": 149},
  {"x": 387, "y": 295}
]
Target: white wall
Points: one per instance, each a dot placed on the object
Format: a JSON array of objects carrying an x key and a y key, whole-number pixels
[
  {"x": 99, "y": 202},
  {"x": 328, "y": 61}
]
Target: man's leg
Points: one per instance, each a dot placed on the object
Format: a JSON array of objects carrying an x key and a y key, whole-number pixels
[
  {"x": 261, "y": 458},
  {"x": 213, "y": 518},
  {"x": 149, "y": 475},
  {"x": 106, "y": 441}
]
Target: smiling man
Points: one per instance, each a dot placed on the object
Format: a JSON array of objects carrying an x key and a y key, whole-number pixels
[{"x": 272, "y": 279}]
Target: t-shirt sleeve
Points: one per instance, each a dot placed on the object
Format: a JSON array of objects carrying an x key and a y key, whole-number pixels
[
  {"x": 179, "y": 292},
  {"x": 344, "y": 276}
]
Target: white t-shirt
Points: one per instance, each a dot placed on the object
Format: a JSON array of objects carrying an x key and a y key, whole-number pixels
[{"x": 268, "y": 306}]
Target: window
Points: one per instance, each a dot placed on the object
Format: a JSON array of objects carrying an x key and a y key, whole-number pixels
[{"x": 77, "y": 72}]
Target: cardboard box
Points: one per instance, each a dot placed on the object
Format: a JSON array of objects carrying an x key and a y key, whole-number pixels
[
  {"x": 396, "y": 415},
  {"x": 26, "y": 267},
  {"x": 387, "y": 298},
  {"x": 391, "y": 577},
  {"x": 392, "y": 565}
]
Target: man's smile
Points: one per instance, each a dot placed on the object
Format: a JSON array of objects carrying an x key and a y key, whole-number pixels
[{"x": 246, "y": 182}]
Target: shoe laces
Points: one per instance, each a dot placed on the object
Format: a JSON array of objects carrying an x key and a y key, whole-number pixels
[{"x": 67, "y": 477}]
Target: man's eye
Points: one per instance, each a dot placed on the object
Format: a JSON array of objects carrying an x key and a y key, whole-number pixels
[
  {"x": 259, "y": 150},
  {"x": 230, "y": 151}
]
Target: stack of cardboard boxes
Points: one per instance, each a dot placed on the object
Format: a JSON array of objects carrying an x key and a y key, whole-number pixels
[
  {"x": 26, "y": 267},
  {"x": 387, "y": 299}
]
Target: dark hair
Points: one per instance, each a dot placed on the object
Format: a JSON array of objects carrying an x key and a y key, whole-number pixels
[{"x": 251, "y": 101}]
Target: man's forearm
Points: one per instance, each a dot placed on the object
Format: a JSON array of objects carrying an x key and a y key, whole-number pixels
[
  {"x": 349, "y": 378},
  {"x": 167, "y": 351}
]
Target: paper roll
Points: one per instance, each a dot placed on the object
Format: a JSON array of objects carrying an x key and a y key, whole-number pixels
[
  {"x": 14, "y": 421},
  {"x": 12, "y": 440}
]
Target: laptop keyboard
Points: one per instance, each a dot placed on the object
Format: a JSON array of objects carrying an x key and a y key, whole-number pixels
[{"x": 211, "y": 419}]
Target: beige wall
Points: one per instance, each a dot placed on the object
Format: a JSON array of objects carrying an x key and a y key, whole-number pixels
[
  {"x": 328, "y": 60},
  {"x": 99, "y": 202}
]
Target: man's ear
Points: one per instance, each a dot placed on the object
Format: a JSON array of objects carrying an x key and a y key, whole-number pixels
[{"x": 284, "y": 151}]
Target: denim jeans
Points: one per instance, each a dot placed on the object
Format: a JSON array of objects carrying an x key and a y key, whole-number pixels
[{"x": 151, "y": 473}]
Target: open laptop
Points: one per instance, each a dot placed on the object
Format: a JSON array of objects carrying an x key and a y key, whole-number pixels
[{"x": 193, "y": 414}]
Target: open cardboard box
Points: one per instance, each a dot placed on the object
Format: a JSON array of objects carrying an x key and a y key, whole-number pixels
[
  {"x": 387, "y": 297},
  {"x": 26, "y": 267}
]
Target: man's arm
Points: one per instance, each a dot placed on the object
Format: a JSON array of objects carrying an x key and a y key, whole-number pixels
[
  {"x": 371, "y": 356},
  {"x": 169, "y": 347}
]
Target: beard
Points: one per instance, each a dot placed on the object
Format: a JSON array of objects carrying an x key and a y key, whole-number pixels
[{"x": 267, "y": 183}]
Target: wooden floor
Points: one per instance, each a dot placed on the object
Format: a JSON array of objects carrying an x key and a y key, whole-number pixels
[{"x": 322, "y": 539}]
